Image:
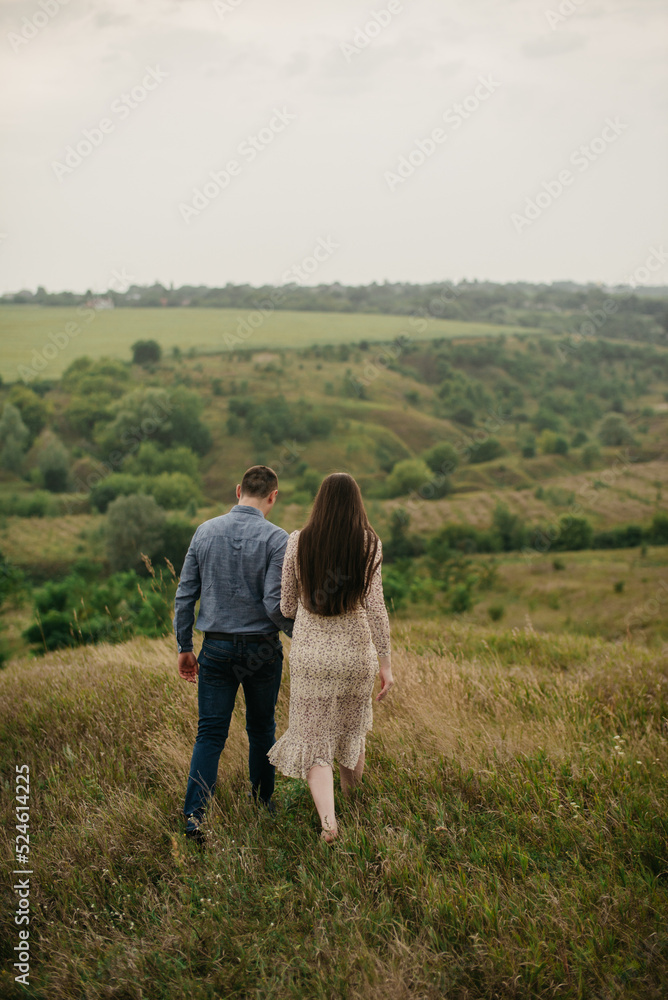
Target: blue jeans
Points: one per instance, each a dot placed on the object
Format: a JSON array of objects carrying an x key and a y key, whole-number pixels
[{"x": 223, "y": 666}]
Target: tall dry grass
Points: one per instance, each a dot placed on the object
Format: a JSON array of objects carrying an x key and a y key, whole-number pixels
[{"x": 509, "y": 839}]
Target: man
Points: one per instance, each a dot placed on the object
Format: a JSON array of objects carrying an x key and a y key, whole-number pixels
[{"x": 234, "y": 566}]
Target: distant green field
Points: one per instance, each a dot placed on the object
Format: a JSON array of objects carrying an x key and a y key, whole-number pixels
[{"x": 31, "y": 333}]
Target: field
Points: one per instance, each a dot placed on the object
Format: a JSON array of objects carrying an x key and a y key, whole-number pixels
[
  {"x": 510, "y": 837},
  {"x": 509, "y": 840},
  {"x": 27, "y": 329}
]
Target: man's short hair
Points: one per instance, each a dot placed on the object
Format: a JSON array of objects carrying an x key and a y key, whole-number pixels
[{"x": 259, "y": 481}]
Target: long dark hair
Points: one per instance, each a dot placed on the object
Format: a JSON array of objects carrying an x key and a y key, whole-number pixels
[{"x": 336, "y": 554}]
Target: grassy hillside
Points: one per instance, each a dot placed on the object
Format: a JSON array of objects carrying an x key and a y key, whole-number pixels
[
  {"x": 509, "y": 839},
  {"x": 25, "y": 329}
]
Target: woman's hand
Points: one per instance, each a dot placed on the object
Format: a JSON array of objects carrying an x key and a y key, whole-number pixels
[{"x": 386, "y": 679}]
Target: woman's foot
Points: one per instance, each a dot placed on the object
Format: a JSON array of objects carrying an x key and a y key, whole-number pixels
[{"x": 329, "y": 831}]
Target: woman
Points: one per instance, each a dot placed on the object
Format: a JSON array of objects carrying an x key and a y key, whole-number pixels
[{"x": 332, "y": 587}]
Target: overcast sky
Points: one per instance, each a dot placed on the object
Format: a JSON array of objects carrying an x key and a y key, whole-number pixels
[{"x": 334, "y": 100}]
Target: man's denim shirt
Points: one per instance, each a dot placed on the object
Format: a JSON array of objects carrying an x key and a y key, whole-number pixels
[{"x": 234, "y": 566}]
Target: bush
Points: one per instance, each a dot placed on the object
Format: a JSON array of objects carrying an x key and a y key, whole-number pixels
[
  {"x": 78, "y": 611},
  {"x": 461, "y": 598},
  {"x": 37, "y": 504},
  {"x": 173, "y": 490},
  {"x": 411, "y": 474},
  {"x": 401, "y": 545},
  {"x": 272, "y": 421},
  {"x": 150, "y": 460},
  {"x": 146, "y": 352},
  {"x": 658, "y": 532},
  {"x": 135, "y": 526},
  {"x": 442, "y": 458},
  {"x": 464, "y": 416},
  {"x": 176, "y": 538},
  {"x": 574, "y": 533},
  {"x": 496, "y": 612},
  {"x": 118, "y": 484},
  {"x": 486, "y": 451},
  {"x": 615, "y": 431},
  {"x": 591, "y": 455},
  {"x": 396, "y": 586},
  {"x": 622, "y": 537},
  {"x": 309, "y": 483},
  {"x": 509, "y": 528}
]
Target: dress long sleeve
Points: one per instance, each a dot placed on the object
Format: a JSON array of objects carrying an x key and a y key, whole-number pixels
[
  {"x": 289, "y": 585},
  {"x": 376, "y": 612}
]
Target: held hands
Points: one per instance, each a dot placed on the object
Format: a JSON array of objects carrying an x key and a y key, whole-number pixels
[
  {"x": 386, "y": 679},
  {"x": 188, "y": 667}
]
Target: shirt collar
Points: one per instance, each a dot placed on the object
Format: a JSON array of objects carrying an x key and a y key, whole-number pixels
[{"x": 242, "y": 508}]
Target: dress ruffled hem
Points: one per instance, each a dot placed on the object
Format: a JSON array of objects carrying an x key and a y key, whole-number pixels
[{"x": 294, "y": 756}]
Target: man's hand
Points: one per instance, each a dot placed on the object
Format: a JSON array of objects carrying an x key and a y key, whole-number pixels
[
  {"x": 188, "y": 666},
  {"x": 386, "y": 679}
]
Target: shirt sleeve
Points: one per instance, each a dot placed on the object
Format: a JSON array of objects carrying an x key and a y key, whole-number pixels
[
  {"x": 376, "y": 612},
  {"x": 273, "y": 603},
  {"x": 187, "y": 594},
  {"x": 289, "y": 584}
]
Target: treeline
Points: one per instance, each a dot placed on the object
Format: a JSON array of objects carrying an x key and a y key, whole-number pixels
[
  {"x": 638, "y": 313},
  {"x": 423, "y": 567}
]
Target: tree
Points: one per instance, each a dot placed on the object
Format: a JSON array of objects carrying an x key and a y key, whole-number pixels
[
  {"x": 150, "y": 460},
  {"x": 135, "y": 525},
  {"x": 14, "y": 436},
  {"x": 167, "y": 418},
  {"x": 574, "y": 533},
  {"x": 173, "y": 490},
  {"x": 615, "y": 431},
  {"x": 509, "y": 528},
  {"x": 658, "y": 532},
  {"x": 146, "y": 352},
  {"x": 54, "y": 464},
  {"x": 486, "y": 450},
  {"x": 442, "y": 458},
  {"x": 34, "y": 411},
  {"x": 408, "y": 475}
]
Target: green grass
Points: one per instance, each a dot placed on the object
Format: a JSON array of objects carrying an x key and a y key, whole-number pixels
[
  {"x": 24, "y": 329},
  {"x": 509, "y": 840}
]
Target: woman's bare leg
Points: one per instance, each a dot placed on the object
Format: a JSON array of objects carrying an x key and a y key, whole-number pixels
[
  {"x": 321, "y": 782},
  {"x": 352, "y": 777}
]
